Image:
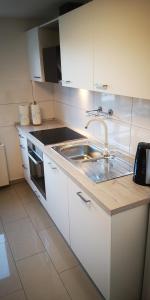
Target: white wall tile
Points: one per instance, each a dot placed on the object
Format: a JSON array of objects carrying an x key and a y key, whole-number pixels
[
  {"x": 141, "y": 113},
  {"x": 9, "y": 114},
  {"x": 118, "y": 133},
  {"x": 15, "y": 91},
  {"x": 121, "y": 105},
  {"x": 61, "y": 93},
  {"x": 138, "y": 135},
  {"x": 43, "y": 91},
  {"x": 47, "y": 109}
]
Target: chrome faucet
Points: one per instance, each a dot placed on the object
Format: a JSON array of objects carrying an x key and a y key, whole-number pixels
[{"x": 106, "y": 151}]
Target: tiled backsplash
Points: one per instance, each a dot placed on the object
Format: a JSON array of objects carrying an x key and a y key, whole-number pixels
[{"x": 129, "y": 125}]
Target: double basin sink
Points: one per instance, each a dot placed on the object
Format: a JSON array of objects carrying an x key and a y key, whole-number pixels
[{"x": 89, "y": 159}]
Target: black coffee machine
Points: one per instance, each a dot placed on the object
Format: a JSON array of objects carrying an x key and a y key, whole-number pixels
[{"x": 142, "y": 164}]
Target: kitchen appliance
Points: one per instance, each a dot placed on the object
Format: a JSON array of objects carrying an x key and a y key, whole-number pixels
[
  {"x": 56, "y": 135},
  {"x": 142, "y": 164},
  {"x": 52, "y": 64},
  {"x": 36, "y": 167}
]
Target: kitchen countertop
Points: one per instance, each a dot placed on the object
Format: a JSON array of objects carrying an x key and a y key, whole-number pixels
[{"x": 113, "y": 196}]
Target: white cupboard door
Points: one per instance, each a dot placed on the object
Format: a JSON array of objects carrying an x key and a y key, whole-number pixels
[
  {"x": 122, "y": 47},
  {"x": 34, "y": 54},
  {"x": 57, "y": 196},
  {"x": 90, "y": 237},
  {"x": 24, "y": 155},
  {"x": 76, "y": 47}
]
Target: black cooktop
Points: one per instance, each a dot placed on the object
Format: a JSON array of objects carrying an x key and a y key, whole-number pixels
[{"x": 56, "y": 135}]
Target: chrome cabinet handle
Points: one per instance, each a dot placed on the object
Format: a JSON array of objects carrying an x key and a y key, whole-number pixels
[
  {"x": 101, "y": 86},
  {"x": 21, "y": 136},
  {"x": 38, "y": 77},
  {"x": 53, "y": 168},
  {"x": 22, "y": 147},
  {"x": 66, "y": 81},
  {"x": 25, "y": 168},
  {"x": 79, "y": 194}
]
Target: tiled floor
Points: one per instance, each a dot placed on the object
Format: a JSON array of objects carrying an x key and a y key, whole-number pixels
[{"x": 35, "y": 261}]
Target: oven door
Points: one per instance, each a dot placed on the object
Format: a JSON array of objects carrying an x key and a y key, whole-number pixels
[{"x": 37, "y": 171}]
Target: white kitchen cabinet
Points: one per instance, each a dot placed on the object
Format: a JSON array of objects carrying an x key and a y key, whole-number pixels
[
  {"x": 76, "y": 46},
  {"x": 122, "y": 47},
  {"x": 56, "y": 183},
  {"x": 146, "y": 285},
  {"x": 24, "y": 155},
  {"x": 90, "y": 230},
  {"x": 111, "y": 248},
  {"x": 39, "y": 38}
]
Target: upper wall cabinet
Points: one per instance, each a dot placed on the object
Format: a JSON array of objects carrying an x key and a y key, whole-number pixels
[
  {"x": 44, "y": 53},
  {"x": 76, "y": 46},
  {"x": 122, "y": 47}
]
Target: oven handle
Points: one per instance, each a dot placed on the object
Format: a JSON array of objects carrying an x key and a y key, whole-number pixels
[{"x": 34, "y": 160}]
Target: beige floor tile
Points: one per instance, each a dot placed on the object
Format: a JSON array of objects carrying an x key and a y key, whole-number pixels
[
  {"x": 10, "y": 207},
  {"x": 25, "y": 193},
  {"x": 40, "y": 280},
  {"x": 9, "y": 279},
  {"x": 57, "y": 249},
  {"x": 19, "y": 295},
  {"x": 23, "y": 238},
  {"x": 79, "y": 285},
  {"x": 39, "y": 216},
  {"x": 2, "y": 233}
]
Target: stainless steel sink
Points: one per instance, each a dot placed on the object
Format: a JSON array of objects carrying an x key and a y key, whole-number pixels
[
  {"x": 80, "y": 153},
  {"x": 90, "y": 161}
]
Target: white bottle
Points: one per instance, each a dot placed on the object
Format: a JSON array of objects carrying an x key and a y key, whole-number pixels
[
  {"x": 24, "y": 117},
  {"x": 35, "y": 114}
]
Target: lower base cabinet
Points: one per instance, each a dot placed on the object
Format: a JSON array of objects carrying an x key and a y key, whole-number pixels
[
  {"x": 56, "y": 183},
  {"x": 90, "y": 229},
  {"x": 111, "y": 248}
]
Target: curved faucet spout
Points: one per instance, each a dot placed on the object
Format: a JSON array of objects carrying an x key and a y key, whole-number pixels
[{"x": 106, "y": 152}]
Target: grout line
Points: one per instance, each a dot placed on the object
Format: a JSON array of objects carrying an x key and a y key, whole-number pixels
[
  {"x": 131, "y": 125},
  {"x": 71, "y": 268},
  {"x": 47, "y": 253},
  {"x": 26, "y": 257},
  {"x": 15, "y": 264}
]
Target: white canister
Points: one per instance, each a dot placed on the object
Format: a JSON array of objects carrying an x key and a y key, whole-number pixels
[
  {"x": 24, "y": 117},
  {"x": 36, "y": 114}
]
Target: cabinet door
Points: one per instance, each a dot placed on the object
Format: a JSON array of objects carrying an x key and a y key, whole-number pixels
[
  {"x": 76, "y": 47},
  {"x": 24, "y": 155},
  {"x": 122, "y": 47},
  {"x": 57, "y": 196},
  {"x": 34, "y": 54},
  {"x": 90, "y": 237}
]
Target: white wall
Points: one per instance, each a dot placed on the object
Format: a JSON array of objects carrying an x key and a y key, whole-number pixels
[{"x": 15, "y": 88}]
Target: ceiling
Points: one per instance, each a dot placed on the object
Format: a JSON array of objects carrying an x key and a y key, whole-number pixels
[{"x": 31, "y": 8}]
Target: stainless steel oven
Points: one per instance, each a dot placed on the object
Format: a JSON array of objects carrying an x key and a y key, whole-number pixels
[{"x": 36, "y": 167}]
